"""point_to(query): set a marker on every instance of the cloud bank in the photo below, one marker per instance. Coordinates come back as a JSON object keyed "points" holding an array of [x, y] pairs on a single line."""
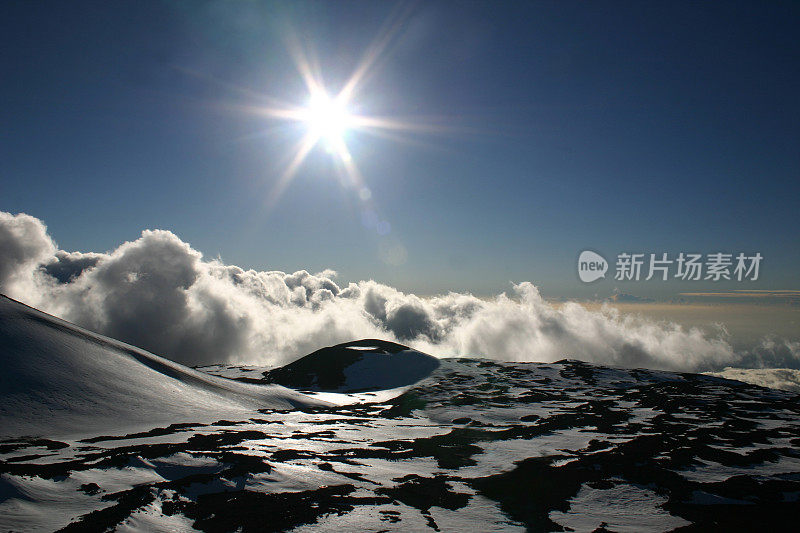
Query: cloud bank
{"points": [[774, 378], [160, 294]]}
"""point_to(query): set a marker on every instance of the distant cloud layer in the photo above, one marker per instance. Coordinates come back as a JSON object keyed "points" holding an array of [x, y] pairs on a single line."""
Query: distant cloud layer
{"points": [[160, 294], [774, 378]]}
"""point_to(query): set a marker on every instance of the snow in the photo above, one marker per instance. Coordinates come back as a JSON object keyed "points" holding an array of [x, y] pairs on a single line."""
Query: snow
{"points": [[65, 381], [130, 441], [623, 508]]}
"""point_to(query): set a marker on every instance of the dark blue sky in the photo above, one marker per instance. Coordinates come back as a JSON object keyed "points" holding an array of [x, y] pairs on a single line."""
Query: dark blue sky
{"points": [[643, 126]]}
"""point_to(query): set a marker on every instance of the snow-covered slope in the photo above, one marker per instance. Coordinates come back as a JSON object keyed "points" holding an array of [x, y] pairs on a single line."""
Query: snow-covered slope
{"points": [[478, 445], [60, 380]]}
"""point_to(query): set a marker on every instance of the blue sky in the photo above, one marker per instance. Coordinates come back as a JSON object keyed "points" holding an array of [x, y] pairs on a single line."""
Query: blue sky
{"points": [[640, 127]]}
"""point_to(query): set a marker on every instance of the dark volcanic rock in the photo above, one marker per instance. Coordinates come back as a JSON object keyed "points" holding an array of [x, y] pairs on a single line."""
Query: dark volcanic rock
{"points": [[357, 366]]}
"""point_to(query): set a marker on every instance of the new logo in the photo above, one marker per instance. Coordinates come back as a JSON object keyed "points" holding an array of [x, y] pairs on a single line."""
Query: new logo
{"points": [[591, 266]]}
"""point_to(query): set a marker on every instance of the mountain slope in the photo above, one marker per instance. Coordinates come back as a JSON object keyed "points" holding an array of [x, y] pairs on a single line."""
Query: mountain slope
{"points": [[479, 445], [60, 379]]}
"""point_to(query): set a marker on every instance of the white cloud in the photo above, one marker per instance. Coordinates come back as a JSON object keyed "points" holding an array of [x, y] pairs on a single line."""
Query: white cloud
{"points": [[24, 244], [160, 294], [774, 378]]}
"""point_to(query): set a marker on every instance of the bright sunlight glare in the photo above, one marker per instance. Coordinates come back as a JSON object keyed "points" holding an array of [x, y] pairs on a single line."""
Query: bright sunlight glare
{"points": [[327, 119], [326, 116]]}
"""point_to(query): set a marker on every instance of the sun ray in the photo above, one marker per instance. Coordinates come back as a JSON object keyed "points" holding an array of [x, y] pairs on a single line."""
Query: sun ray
{"points": [[327, 115], [304, 147], [366, 123], [303, 63], [387, 34]]}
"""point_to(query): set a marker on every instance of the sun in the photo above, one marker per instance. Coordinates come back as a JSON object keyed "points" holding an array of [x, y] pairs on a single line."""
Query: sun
{"points": [[328, 120], [329, 117]]}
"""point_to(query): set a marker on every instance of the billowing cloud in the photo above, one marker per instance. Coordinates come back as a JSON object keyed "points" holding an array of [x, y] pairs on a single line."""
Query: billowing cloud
{"points": [[774, 378], [67, 266], [24, 244], [158, 293]]}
